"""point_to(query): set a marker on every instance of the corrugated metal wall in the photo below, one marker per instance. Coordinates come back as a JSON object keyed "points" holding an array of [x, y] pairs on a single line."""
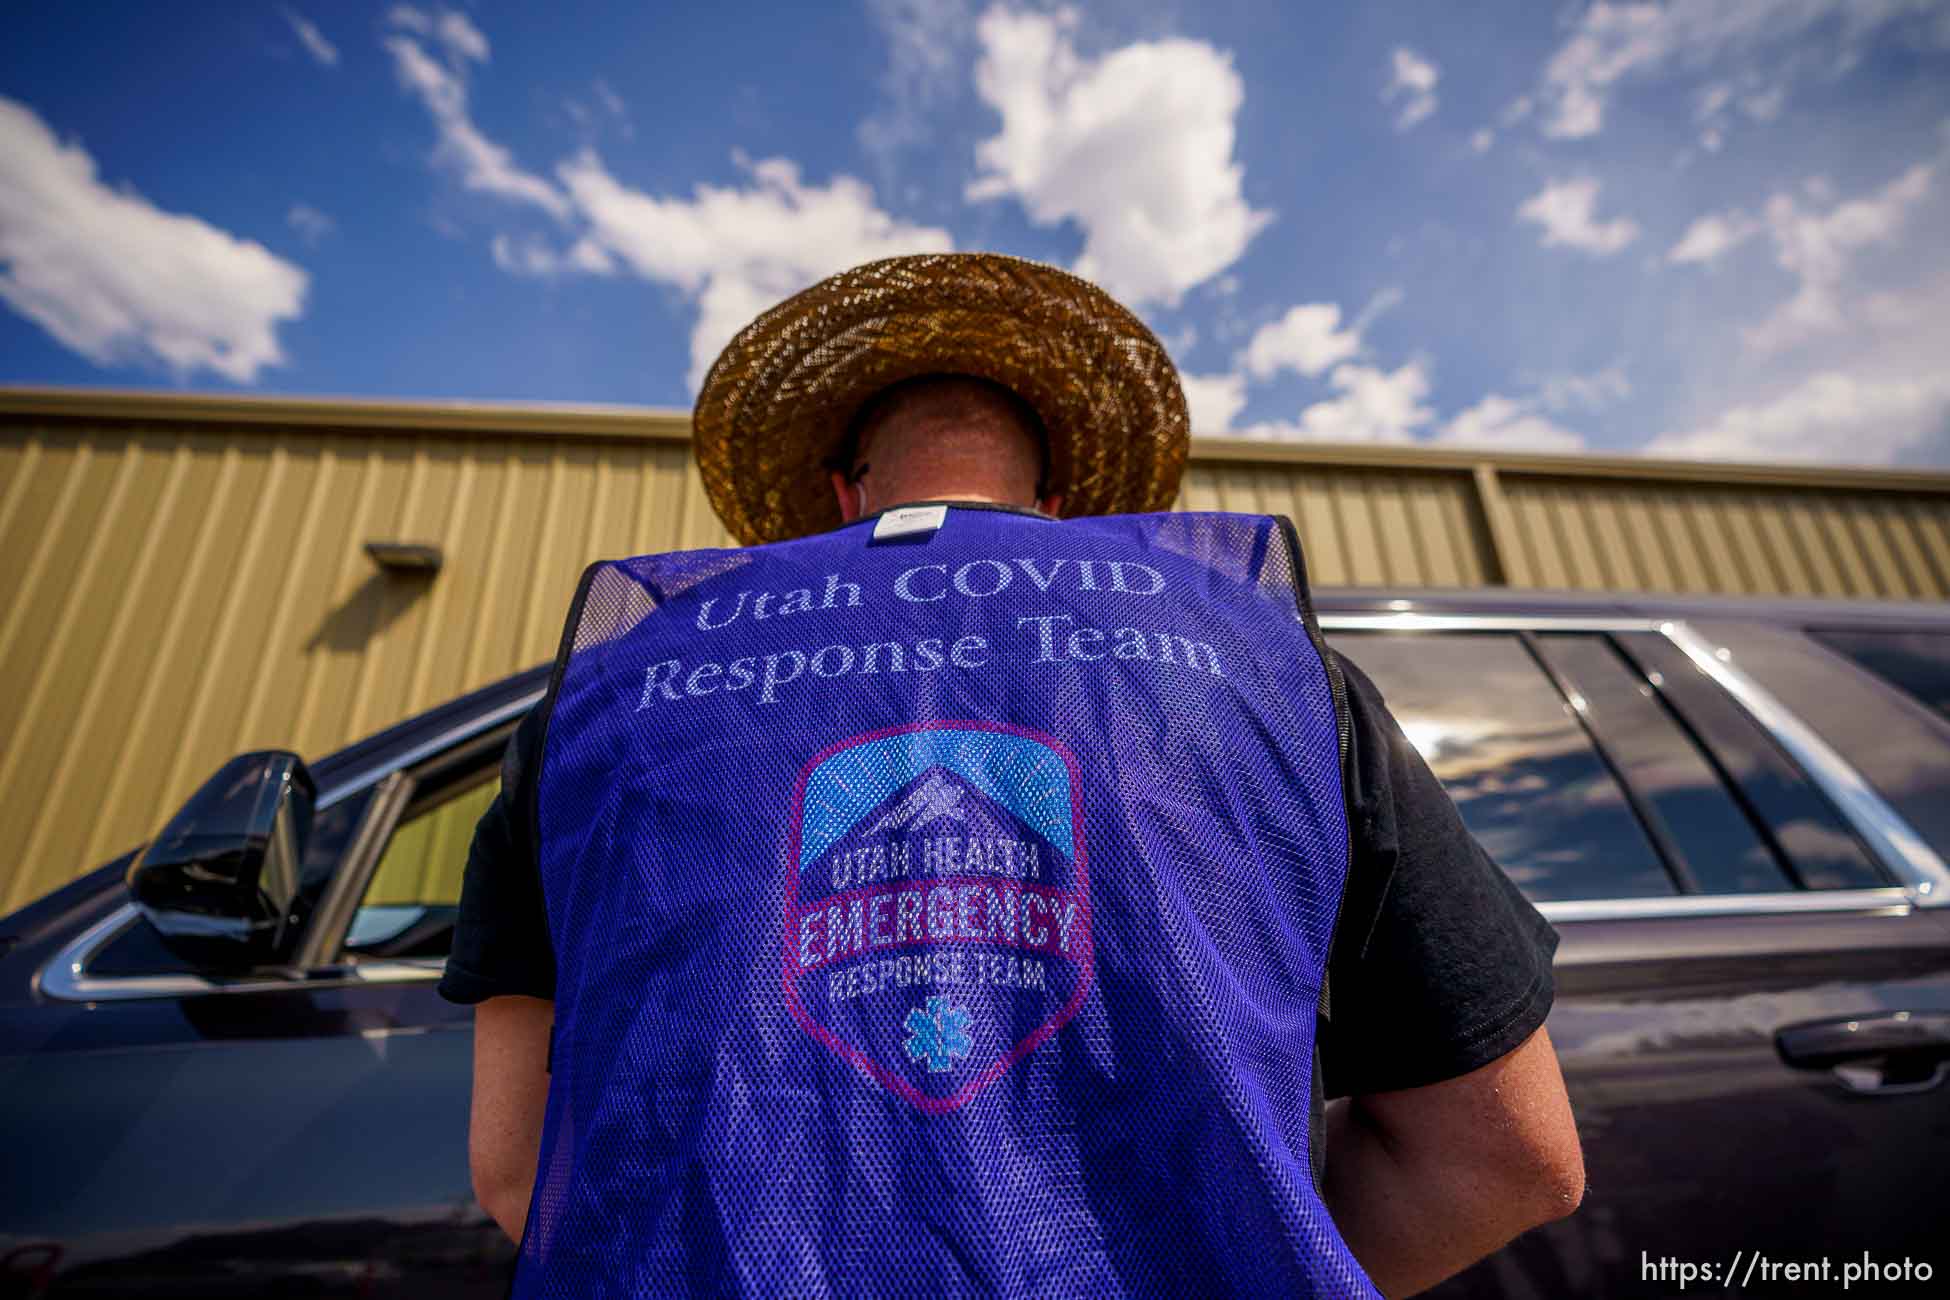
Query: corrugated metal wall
{"points": [[1380, 527], [183, 577], [1706, 537]]}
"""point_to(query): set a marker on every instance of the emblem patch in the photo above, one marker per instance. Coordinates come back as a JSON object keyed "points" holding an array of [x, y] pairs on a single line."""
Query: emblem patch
{"points": [[937, 904]]}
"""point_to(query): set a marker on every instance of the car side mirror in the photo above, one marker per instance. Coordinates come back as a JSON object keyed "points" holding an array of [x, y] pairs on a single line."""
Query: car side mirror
{"points": [[220, 883]]}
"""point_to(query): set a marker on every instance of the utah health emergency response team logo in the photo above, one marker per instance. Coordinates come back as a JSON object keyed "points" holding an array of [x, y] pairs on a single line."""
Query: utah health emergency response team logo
{"points": [[937, 904]]}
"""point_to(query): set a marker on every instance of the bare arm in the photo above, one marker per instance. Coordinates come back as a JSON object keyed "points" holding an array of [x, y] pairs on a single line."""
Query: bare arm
{"points": [[1426, 1181], [504, 1139]]}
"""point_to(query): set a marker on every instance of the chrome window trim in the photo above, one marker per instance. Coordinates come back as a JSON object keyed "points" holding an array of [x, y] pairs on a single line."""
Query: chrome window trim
{"points": [[65, 975], [325, 929], [1890, 899], [1925, 878], [369, 777], [1410, 621]]}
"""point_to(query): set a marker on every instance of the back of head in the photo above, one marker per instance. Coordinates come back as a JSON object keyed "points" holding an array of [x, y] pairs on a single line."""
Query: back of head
{"points": [[946, 437]]}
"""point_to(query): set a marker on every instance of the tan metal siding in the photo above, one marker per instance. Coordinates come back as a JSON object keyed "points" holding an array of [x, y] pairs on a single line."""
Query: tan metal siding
{"points": [[182, 578], [1621, 536], [1360, 527], [167, 599]]}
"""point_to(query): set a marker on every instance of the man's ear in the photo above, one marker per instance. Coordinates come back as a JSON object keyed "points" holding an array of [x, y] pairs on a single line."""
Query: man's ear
{"points": [[850, 497]]}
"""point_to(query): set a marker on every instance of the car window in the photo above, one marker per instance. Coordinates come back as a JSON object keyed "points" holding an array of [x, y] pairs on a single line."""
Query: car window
{"points": [[1914, 661], [1820, 848], [1687, 803], [1900, 747], [1514, 757], [414, 895]]}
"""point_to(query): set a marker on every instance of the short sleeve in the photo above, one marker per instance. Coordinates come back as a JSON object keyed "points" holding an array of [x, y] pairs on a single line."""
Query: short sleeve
{"points": [[501, 938], [1440, 965]]}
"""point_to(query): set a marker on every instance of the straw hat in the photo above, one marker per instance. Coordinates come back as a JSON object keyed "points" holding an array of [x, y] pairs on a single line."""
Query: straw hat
{"points": [[777, 402]]}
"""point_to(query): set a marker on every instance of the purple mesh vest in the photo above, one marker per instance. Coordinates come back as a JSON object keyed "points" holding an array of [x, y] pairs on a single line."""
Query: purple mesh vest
{"points": [[942, 914]]}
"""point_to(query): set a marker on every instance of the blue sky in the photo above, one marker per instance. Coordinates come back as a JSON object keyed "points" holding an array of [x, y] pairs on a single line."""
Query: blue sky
{"points": [[1712, 228]]}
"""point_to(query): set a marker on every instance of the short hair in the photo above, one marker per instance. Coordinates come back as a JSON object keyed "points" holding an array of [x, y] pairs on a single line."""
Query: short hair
{"points": [[891, 398]]}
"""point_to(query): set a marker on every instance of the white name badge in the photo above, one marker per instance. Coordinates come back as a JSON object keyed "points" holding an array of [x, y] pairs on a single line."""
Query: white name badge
{"points": [[909, 520]]}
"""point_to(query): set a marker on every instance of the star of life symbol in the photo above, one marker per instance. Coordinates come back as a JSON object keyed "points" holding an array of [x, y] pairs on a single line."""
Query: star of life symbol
{"points": [[939, 1035]]}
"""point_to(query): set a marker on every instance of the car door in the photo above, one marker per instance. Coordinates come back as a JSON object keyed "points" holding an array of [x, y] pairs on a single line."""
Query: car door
{"points": [[299, 1132], [1748, 1002]]}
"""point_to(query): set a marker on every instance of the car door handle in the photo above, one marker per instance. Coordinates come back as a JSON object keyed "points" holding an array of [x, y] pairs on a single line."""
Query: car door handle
{"points": [[1884, 1052]]}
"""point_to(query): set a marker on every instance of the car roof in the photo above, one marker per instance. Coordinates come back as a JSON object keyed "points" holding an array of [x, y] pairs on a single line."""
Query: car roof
{"points": [[1529, 602], [457, 716]]}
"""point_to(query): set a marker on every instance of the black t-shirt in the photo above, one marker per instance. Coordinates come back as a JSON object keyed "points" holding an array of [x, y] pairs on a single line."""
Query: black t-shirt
{"points": [[1439, 964]]}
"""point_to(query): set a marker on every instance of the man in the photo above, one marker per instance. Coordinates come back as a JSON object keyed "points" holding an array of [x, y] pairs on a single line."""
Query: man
{"points": [[942, 899]]}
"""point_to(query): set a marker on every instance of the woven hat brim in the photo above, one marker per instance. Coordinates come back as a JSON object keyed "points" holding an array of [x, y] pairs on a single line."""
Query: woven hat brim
{"points": [[775, 406]]}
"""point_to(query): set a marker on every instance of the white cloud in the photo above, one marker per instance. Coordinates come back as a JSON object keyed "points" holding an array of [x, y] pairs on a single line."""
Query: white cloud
{"points": [[1764, 105], [1412, 80], [1833, 416], [609, 110], [311, 224], [1815, 239], [732, 251], [320, 49], [1309, 339], [1712, 236], [1214, 400], [481, 163], [1869, 384], [1817, 247], [1712, 100], [1385, 300], [614, 113], [1481, 139], [460, 37], [1374, 406], [117, 279], [1567, 212], [926, 62], [531, 256], [1508, 424], [607, 96], [1590, 392], [1136, 147], [1716, 99], [1612, 43], [735, 252]]}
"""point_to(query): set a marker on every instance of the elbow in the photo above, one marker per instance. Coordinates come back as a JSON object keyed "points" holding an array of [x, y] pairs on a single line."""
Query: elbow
{"points": [[503, 1193], [1560, 1194], [1545, 1184], [1568, 1186]]}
